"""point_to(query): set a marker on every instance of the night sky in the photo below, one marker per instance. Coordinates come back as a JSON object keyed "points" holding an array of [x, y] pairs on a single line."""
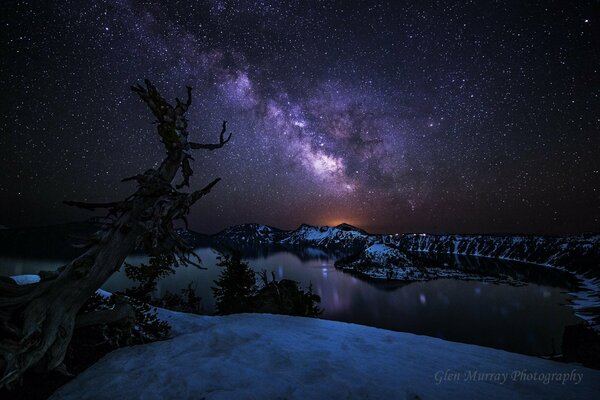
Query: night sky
{"points": [[423, 116]]}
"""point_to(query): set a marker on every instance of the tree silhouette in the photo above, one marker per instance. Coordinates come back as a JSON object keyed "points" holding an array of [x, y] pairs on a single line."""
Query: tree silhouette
{"points": [[37, 320], [236, 286]]}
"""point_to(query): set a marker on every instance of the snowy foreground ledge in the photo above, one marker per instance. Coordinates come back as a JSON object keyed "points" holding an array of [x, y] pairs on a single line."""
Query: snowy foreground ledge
{"points": [[261, 356]]}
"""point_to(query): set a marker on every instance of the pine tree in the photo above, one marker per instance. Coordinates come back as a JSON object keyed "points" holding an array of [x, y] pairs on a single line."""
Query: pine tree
{"points": [[236, 285]]}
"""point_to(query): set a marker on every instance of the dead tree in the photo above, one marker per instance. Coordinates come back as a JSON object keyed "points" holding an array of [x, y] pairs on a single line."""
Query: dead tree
{"points": [[37, 320]]}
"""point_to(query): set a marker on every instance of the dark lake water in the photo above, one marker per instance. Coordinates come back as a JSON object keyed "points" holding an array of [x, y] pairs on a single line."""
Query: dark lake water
{"points": [[527, 319]]}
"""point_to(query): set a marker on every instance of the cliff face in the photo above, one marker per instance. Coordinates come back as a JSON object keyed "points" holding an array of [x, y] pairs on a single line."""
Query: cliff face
{"points": [[576, 253]]}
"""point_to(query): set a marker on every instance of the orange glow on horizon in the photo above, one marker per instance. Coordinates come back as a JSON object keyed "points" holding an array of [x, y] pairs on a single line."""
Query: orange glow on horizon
{"points": [[338, 221], [369, 226]]}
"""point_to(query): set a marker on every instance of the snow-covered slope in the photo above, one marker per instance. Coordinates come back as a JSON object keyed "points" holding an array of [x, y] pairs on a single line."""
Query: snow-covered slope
{"points": [[379, 261], [259, 356], [383, 254]]}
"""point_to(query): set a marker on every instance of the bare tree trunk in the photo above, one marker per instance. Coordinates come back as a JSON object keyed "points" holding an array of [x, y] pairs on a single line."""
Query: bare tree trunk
{"points": [[37, 320]]}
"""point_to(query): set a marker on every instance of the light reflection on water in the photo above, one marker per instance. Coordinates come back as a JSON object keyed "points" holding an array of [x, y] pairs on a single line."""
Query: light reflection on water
{"points": [[528, 319]]}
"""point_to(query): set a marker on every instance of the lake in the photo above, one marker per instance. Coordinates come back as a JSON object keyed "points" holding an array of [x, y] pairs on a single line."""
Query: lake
{"points": [[527, 319]]}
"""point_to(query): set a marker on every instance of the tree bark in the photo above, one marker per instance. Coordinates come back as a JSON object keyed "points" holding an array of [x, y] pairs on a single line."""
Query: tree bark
{"points": [[37, 320]]}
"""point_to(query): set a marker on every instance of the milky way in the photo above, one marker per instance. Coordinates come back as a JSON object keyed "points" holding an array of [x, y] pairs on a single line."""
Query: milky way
{"points": [[393, 116]]}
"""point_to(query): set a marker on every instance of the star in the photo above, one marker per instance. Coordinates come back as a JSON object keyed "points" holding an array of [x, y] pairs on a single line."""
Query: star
{"points": [[425, 118]]}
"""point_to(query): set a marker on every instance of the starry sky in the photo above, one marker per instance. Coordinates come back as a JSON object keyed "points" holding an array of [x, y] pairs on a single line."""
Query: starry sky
{"points": [[397, 116]]}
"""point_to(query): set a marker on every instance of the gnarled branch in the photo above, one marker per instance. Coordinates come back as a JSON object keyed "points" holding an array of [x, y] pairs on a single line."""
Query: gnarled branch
{"points": [[92, 206], [210, 146], [195, 196]]}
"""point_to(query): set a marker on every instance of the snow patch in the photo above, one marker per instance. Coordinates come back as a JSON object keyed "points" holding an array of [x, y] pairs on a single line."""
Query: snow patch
{"points": [[25, 279]]}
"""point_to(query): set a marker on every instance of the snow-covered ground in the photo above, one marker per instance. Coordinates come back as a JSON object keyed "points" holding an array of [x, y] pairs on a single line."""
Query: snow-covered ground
{"points": [[262, 356]]}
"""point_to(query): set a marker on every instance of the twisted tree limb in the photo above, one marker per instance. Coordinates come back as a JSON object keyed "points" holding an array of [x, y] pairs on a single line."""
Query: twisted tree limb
{"points": [[222, 141], [92, 206], [37, 320]]}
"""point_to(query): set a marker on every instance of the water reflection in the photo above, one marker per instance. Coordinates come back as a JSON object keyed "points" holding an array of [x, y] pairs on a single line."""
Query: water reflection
{"points": [[528, 319]]}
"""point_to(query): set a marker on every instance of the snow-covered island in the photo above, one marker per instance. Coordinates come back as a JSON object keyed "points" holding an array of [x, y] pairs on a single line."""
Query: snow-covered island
{"points": [[381, 261]]}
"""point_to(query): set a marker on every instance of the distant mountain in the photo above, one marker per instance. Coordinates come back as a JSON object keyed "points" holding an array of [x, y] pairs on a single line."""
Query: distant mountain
{"points": [[342, 236], [373, 256], [577, 253]]}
